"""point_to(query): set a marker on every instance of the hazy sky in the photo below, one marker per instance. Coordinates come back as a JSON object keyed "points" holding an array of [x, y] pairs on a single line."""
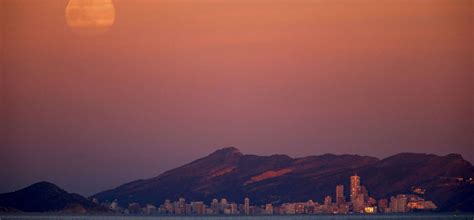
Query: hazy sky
{"points": [[174, 80]]}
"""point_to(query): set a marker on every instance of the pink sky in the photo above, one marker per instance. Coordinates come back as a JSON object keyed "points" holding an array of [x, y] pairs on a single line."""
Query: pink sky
{"points": [[172, 81]]}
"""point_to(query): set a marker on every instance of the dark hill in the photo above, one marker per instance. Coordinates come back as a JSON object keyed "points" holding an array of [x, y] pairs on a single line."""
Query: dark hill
{"points": [[44, 197]]}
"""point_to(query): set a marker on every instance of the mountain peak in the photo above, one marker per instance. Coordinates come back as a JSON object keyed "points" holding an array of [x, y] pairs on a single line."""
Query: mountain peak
{"points": [[227, 151], [43, 186], [454, 156], [403, 157]]}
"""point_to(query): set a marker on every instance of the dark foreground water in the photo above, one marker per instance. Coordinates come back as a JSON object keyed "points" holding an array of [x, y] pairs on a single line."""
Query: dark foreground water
{"points": [[274, 217]]}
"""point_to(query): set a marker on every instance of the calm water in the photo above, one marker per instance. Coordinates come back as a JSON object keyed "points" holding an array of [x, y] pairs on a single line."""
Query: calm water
{"points": [[301, 217]]}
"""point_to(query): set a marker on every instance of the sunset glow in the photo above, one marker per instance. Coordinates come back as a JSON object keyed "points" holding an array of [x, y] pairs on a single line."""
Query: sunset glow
{"points": [[160, 83]]}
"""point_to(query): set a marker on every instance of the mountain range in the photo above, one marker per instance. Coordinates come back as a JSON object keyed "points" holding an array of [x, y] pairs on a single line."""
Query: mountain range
{"points": [[227, 173]]}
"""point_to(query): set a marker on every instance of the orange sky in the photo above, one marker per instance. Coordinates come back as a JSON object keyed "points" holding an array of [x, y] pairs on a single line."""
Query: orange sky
{"points": [[173, 80]]}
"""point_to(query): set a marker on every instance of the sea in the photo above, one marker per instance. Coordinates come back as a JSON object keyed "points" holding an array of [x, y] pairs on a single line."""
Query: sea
{"points": [[260, 217]]}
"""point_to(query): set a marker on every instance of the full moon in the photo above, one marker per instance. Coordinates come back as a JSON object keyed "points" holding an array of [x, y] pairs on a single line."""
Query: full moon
{"points": [[90, 16]]}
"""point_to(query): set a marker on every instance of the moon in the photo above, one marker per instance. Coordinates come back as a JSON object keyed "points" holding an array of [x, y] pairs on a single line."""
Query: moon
{"points": [[90, 16]]}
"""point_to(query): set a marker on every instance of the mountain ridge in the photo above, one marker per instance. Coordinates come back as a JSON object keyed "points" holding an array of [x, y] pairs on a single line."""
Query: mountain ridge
{"points": [[280, 178]]}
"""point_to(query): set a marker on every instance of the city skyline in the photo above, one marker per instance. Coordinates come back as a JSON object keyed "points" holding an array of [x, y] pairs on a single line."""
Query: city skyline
{"points": [[360, 203]]}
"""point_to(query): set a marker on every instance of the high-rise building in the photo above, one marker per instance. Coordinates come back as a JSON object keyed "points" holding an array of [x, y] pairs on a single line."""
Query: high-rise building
{"points": [[198, 208], [233, 208], [223, 201], [402, 203], [393, 204], [215, 206], [327, 200], [299, 208], [289, 208], [188, 209], [247, 206], [167, 207], [269, 209], [355, 187], [383, 205], [340, 195], [399, 203], [180, 206], [150, 209], [223, 205]]}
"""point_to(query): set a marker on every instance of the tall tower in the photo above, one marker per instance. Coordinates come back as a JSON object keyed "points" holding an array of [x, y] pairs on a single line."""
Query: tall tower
{"points": [[340, 195], [247, 206], [355, 187]]}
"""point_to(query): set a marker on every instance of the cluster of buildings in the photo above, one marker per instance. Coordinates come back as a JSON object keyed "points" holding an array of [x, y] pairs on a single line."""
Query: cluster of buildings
{"points": [[359, 202]]}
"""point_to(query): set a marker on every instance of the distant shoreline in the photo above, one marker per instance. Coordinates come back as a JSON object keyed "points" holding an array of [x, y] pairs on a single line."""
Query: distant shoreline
{"points": [[99, 216]]}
